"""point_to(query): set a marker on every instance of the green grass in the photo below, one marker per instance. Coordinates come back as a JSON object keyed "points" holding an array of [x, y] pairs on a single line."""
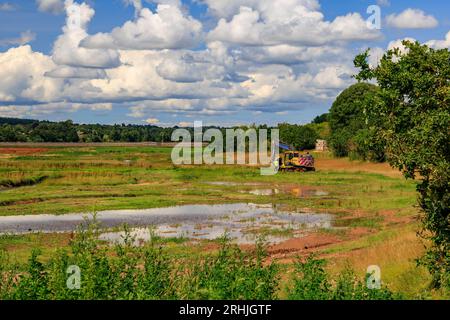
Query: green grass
{"points": [[8, 183], [91, 179], [127, 272], [366, 222], [80, 179]]}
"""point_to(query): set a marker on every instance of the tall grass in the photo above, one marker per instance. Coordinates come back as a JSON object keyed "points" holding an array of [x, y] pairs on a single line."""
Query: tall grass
{"points": [[312, 282], [125, 271]]}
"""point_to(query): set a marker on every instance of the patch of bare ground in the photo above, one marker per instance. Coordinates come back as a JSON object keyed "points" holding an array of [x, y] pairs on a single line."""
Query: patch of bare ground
{"points": [[392, 217], [356, 166], [289, 251], [21, 151]]}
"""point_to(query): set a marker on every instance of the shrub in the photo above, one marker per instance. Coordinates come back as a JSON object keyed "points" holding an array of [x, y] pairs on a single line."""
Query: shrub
{"points": [[232, 274], [312, 283], [129, 272]]}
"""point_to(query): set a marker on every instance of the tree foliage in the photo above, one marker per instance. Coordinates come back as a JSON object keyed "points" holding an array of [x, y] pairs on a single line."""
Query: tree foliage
{"points": [[321, 119], [300, 137], [351, 124], [17, 130], [414, 119], [150, 272]]}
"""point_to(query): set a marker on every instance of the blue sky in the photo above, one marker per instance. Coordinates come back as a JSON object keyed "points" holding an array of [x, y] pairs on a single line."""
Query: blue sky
{"points": [[172, 62]]}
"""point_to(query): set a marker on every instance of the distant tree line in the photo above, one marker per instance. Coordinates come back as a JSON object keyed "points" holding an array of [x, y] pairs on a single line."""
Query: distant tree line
{"points": [[303, 137], [20, 130]]}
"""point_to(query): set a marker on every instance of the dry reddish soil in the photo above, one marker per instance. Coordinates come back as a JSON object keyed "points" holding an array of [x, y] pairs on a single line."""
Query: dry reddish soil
{"points": [[356, 166], [288, 251], [390, 217], [21, 151]]}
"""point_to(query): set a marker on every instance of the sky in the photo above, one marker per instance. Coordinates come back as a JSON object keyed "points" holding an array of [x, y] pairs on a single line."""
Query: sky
{"points": [[173, 62]]}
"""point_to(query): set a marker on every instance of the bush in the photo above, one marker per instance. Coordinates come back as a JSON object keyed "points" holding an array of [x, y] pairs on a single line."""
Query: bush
{"points": [[339, 143], [312, 283], [128, 272], [232, 274], [368, 145], [352, 124]]}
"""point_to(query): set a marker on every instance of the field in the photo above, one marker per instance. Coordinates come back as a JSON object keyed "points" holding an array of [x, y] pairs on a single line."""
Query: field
{"points": [[374, 217]]}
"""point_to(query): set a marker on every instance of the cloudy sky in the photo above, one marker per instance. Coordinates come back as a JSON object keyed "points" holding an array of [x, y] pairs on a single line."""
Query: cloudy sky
{"points": [[167, 62]]}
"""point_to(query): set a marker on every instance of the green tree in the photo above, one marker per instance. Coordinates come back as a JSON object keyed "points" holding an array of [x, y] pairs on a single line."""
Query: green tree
{"points": [[300, 137], [11, 133], [413, 107], [322, 129], [321, 119], [68, 131], [349, 117]]}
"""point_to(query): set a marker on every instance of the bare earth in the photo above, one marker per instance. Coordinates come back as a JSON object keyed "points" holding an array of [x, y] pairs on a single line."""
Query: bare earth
{"points": [[356, 166]]}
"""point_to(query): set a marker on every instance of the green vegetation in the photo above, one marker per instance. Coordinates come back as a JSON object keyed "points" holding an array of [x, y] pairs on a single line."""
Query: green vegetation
{"points": [[14, 121], [352, 132], [22, 182], [129, 272], [300, 137], [405, 120], [413, 109], [85, 179], [321, 119], [311, 282], [322, 129], [16, 130], [88, 179]]}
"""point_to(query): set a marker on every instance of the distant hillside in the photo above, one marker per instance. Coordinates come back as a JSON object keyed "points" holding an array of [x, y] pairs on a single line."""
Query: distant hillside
{"points": [[14, 121]]}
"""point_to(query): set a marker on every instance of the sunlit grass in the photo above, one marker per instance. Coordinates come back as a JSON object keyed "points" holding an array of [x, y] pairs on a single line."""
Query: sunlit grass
{"points": [[92, 179]]}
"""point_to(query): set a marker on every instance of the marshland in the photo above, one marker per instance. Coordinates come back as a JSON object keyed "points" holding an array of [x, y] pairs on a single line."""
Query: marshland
{"points": [[347, 214]]}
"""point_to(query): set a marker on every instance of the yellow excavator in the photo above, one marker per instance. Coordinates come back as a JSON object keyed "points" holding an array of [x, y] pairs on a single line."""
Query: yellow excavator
{"points": [[292, 161]]}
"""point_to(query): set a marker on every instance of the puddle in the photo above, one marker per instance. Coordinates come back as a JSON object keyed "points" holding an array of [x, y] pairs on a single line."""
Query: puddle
{"points": [[243, 222], [300, 192], [244, 225], [222, 183], [262, 192], [296, 192], [231, 184], [307, 192]]}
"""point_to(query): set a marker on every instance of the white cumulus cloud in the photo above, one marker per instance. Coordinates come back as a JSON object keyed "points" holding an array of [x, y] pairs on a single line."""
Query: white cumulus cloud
{"points": [[440, 44], [412, 19], [51, 6], [294, 22], [66, 50], [167, 28], [24, 38], [67, 72], [252, 56], [152, 121], [22, 76]]}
